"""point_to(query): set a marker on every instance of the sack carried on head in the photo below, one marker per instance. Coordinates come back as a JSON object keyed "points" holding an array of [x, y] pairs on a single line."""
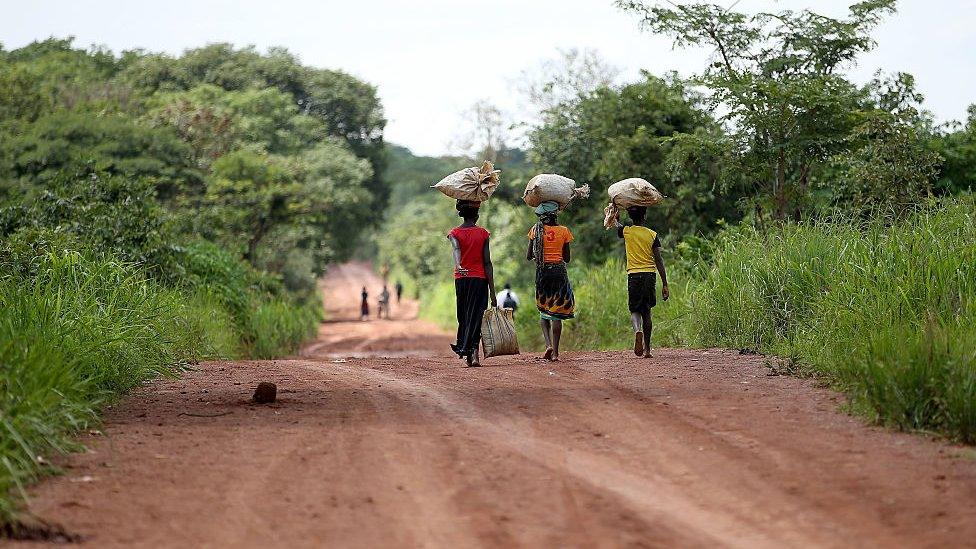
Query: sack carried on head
{"points": [[472, 184], [549, 187], [498, 332], [629, 193]]}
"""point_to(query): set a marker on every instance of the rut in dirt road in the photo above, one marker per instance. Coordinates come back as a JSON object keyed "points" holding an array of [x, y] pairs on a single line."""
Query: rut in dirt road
{"points": [[380, 438]]}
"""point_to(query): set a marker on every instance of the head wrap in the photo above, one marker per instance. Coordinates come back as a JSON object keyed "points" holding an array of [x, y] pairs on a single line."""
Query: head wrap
{"points": [[547, 207]]}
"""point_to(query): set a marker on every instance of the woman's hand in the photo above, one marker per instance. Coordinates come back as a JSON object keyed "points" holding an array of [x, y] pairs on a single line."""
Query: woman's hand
{"points": [[494, 302], [665, 292]]}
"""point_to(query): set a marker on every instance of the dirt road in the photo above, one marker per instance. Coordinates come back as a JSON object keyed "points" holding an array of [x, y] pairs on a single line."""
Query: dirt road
{"points": [[381, 439]]}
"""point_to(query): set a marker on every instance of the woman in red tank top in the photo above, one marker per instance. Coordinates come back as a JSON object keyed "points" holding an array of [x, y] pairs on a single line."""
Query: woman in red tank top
{"points": [[474, 281]]}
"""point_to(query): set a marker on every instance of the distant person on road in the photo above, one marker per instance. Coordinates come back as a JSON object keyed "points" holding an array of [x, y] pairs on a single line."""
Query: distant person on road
{"points": [[549, 248], [398, 287], [384, 306], [364, 305], [644, 261], [474, 280], [507, 298]]}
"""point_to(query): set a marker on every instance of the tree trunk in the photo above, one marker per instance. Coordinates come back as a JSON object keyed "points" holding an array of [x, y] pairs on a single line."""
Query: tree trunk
{"points": [[252, 243]]}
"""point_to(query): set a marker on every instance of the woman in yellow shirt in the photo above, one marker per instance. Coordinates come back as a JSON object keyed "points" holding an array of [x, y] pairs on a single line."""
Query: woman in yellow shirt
{"points": [[643, 262], [549, 248]]}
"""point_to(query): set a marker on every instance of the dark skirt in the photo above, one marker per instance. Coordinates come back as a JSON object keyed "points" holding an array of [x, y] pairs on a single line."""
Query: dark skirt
{"points": [[553, 293], [472, 302]]}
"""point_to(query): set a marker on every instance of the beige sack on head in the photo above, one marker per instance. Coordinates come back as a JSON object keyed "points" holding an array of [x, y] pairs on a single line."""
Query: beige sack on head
{"points": [[627, 193], [547, 187], [498, 332], [475, 184]]}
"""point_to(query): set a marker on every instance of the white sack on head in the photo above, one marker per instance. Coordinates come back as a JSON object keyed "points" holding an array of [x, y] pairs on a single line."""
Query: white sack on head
{"points": [[627, 193], [475, 184], [550, 187]]}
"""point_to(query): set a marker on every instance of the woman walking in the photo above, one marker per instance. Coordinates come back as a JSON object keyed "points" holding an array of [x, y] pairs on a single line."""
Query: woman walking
{"points": [[364, 305], [474, 280], [549, 247]]}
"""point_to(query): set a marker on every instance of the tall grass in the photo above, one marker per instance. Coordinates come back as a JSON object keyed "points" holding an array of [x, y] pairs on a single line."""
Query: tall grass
{"points": [[77, 330], [278, 326], [884, 310], [602, 318]]}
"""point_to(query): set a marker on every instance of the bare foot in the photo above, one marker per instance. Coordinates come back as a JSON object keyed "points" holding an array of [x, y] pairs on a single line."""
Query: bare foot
{"points": [[639, 343], [550, 352]]}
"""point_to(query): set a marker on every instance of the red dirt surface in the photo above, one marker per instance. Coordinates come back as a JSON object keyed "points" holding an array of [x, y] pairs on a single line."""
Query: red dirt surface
{"points": [[380, 438]]}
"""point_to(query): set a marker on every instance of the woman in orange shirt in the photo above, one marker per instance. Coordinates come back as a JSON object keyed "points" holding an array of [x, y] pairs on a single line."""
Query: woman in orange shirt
{"points": [[549, 247]]}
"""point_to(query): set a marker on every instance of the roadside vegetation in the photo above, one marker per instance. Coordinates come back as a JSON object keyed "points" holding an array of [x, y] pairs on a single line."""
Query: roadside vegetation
{"points": [[156, 211], [822, 221]]}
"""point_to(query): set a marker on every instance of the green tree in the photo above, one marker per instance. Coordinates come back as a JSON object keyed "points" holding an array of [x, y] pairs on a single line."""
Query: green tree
{"points": [[887, 167], [106, 212], [776, 75], [958, 147], [615, 133], [112, 144], [347, 107]]}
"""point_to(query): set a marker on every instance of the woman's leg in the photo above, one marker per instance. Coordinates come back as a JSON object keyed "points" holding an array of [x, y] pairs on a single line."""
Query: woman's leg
{"points": [[546, 325], [557, 332]]}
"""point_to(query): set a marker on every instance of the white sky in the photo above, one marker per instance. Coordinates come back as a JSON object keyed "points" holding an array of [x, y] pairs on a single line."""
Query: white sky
{"points": [[431, 59]]}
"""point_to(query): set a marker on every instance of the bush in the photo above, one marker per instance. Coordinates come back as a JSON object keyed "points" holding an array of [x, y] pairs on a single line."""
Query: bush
{"points": [[885, 311], [79, 332], [79, 328], [278, 327]]}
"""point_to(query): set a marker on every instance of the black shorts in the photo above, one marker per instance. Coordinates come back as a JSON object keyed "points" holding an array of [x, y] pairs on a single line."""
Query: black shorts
{"points": [[641, 292]]}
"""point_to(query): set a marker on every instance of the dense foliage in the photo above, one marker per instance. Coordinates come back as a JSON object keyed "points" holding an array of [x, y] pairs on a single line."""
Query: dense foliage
{"points": [[802, 207], [159, 210]]}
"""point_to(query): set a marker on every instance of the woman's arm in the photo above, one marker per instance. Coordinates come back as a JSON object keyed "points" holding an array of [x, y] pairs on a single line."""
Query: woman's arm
{"points": [[529, 255], [456, 252], [566, 254], [489, 274]]}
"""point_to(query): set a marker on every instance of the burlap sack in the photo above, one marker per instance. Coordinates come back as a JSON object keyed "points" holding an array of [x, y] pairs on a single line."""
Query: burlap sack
{"points": [[498, 333], [627, 193], [634, 192], [476, 184], [547, 187]]}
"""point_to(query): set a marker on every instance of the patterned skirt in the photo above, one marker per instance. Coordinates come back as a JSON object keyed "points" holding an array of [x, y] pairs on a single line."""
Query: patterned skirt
{"points": [[553, 293]]}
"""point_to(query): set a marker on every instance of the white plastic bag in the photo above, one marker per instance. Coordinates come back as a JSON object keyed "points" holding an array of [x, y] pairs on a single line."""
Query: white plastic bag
{"points": [[475, 184], [547, 187], [498, 335]]}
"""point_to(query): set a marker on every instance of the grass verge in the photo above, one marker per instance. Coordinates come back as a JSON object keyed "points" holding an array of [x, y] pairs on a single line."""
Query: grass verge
{"points": [[77, 331]]}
